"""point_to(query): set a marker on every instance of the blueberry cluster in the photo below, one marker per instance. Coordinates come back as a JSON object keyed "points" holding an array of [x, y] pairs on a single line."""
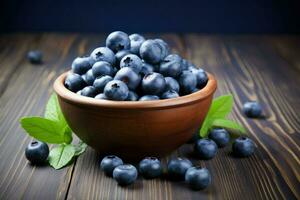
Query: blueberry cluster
{"points": [[131, 68]]}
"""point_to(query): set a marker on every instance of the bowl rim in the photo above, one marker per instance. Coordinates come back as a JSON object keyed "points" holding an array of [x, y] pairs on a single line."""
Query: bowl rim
{"points": [[74, 98]]}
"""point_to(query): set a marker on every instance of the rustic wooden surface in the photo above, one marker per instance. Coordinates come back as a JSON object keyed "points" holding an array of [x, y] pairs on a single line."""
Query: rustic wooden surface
{"points": [[262, 68]]}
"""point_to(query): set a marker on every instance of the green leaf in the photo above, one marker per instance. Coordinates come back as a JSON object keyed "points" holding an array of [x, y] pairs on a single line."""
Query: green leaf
{"points": [[80, 148], [43, 129], [60, 156], [228, 124], [205, 127]]}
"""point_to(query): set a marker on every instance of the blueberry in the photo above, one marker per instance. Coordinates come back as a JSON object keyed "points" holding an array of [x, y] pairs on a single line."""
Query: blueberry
{"points": [[81, 65], [74, 82], [206, 149], [152, 52], [185, 64], [252, 109], [132, 96], [177, 168], [198, 178], [35, 56], [220, 136], [136, 41], [102, 68], [171, 65], [187, 82], [169, 94], [243, 147], [146, 68], [116, 90], [103, 54], [118, 41], [195, 90], [132, 61], [101, 82], [89, 91], [128, 76], [164, 47], [120, 54], [201, 76], [149, 98], [89, 77], [172, 84], [101, 96], [78, 92], [109, 163], [150, 167], [125, 174], [153, 83], [37, 152]]}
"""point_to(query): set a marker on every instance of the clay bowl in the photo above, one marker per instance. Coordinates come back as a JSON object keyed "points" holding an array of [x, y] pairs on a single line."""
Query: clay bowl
{"points": [[133, 130]]}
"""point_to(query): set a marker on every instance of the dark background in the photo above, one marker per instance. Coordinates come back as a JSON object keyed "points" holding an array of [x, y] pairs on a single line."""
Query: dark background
{"points": [[214, 16]]}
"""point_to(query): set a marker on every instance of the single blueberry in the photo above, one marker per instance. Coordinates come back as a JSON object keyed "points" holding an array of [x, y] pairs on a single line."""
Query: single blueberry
{"points": [[101, 96], [206, 149], [81, 65], [102, 54], [220, 136], [165, 49], [128, 76], [120, 54], [118, 41], [102, 68], [37, 152], [169, 94], [152, 52], [136, 41], [172, 84], [132, 61], [187, 82], [101, 82], [146, 68], [177, 168], [74, 82], [201, 76], [116, 90], [243, 147], [171, 65], [35, 56], [198, 178], [149, 98], [89, 91], [150, 167], [153, 83], [252, 109], [88, 77], [132, 96], [109, 163], [125, 174]]}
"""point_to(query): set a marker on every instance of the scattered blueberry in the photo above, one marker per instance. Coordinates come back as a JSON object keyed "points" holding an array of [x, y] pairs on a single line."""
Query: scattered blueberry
{"points": [[116, 90], [102, 68], [170, 94], [171, 65], [89, 91], [118, 41], [109, 163], [172, 84], [150, 167], [128, 76], [149, 98], [153, 83], [37, 152], [198, 178], [35, 56], [220, 136], [187, 81], [125, 174], [243, 147], [177, 168], [103, 54], [136, 41], [101, 82], [101, 96], [81, 65], [132, 61], [206, 149], [252, 109], [74, 82], [132, 96]]}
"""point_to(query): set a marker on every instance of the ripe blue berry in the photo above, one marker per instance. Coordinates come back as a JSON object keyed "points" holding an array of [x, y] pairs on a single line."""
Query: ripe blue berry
{"points": [[201, 76], [177, 168], [109, 163], [101, 96], [149, 98], [187, 81], [169, 94], [132, 61], [136, 41], [81, 65], [152, 52], [146, 68], [252, 109], [220, 136], [198, 178], [171, 65], [116, 90], [103, 54], [172, 84], [74, 82], [165, 49], [35, 56], [102, 68], [125, 174], [37, 152], [118, 41], [120, 54], [101, 82], [206, 149], [132, 96], [89, 91], [153, 83], [150, 167], [243, 147], [88, 77], [128, 76]]}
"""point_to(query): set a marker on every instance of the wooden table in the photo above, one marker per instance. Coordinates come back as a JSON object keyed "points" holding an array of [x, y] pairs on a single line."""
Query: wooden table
{"points": [[262, 68]]}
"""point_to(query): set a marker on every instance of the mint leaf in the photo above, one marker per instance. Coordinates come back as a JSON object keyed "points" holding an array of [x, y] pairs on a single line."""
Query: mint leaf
{"points": [[60, 156], [53, 110], [220, 107], [80, 148], [43, 129], [228, 124]]}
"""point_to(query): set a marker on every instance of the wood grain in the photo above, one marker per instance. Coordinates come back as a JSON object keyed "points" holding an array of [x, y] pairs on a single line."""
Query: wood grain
{"points": [[262, 68]]}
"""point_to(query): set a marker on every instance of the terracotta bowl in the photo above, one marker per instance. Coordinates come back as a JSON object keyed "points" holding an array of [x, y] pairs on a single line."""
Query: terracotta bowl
{"points": [[134, 130]]}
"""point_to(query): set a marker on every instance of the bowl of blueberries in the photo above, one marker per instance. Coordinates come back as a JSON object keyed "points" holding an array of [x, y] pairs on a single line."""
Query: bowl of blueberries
{"points": [[133, 97]]}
